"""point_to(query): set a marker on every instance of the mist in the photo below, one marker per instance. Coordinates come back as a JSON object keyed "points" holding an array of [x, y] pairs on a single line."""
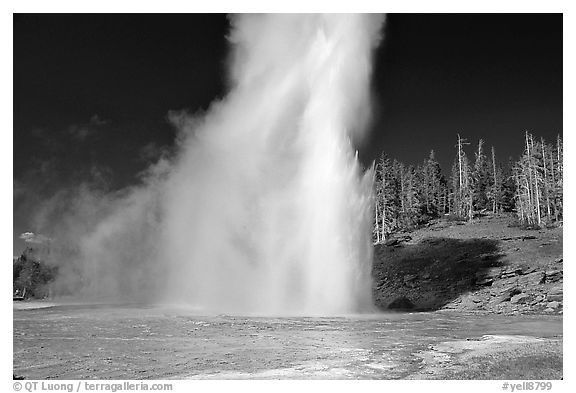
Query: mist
{"points": [[263, 208]]}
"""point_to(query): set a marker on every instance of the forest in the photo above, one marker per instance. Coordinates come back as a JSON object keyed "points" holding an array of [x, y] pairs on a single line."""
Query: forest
{"points": [[408, 196]]}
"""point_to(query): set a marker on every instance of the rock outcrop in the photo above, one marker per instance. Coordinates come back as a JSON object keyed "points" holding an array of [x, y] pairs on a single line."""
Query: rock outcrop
{"points": [[481, 267]]}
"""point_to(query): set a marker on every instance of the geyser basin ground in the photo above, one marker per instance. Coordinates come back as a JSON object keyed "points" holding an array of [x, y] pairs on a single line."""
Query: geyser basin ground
{"points": [[142, 342]]}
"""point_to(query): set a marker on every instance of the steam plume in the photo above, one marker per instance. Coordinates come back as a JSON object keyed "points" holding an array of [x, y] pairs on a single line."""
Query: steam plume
{"points": [[264, 209]]}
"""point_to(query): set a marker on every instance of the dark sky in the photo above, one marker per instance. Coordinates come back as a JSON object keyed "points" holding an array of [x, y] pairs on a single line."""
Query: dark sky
{"points": [[92, 92], [485, 76]]}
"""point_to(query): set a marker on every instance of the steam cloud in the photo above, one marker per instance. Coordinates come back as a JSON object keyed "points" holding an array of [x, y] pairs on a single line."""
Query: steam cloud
{"points": [[264, 208]]}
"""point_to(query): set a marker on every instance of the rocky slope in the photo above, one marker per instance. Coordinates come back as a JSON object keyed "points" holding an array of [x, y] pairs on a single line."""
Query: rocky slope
{"points": [[487, 265]]}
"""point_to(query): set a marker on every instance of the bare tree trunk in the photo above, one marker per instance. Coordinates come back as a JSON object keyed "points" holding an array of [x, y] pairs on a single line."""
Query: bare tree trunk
{"points": [[554, 204], [529, 170], [463, 178], [402, 192], [377, 227], [560, 173], [546, 185], [560, 155], [536, 188], [470, 208], [519, 204], [460, 159], [383, 226], [494, 173], [532, 186], [460, 175]]}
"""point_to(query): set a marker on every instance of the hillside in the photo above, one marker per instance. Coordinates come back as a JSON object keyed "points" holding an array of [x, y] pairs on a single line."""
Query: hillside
{"points": [[487, 265]]}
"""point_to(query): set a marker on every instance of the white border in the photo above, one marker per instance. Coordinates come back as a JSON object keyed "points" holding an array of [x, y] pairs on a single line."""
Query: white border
{"points": [[167, 6]]}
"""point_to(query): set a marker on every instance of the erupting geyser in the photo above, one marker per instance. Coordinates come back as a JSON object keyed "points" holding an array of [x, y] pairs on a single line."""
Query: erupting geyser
{"points": [[264, 209]]}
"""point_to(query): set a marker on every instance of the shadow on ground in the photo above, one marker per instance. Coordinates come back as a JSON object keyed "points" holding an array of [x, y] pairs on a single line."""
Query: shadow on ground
{"points": [[427, 275]]}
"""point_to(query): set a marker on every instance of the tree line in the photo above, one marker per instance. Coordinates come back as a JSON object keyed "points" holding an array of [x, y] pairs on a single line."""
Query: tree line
{"points": [[407, 196], [31, 276]]}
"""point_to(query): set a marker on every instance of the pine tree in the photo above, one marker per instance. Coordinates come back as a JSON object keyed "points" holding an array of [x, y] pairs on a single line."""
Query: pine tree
{"points": [[495, 190], [433, 187], [507, 201], [411, 195], [407, 196], [480, 179]]}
